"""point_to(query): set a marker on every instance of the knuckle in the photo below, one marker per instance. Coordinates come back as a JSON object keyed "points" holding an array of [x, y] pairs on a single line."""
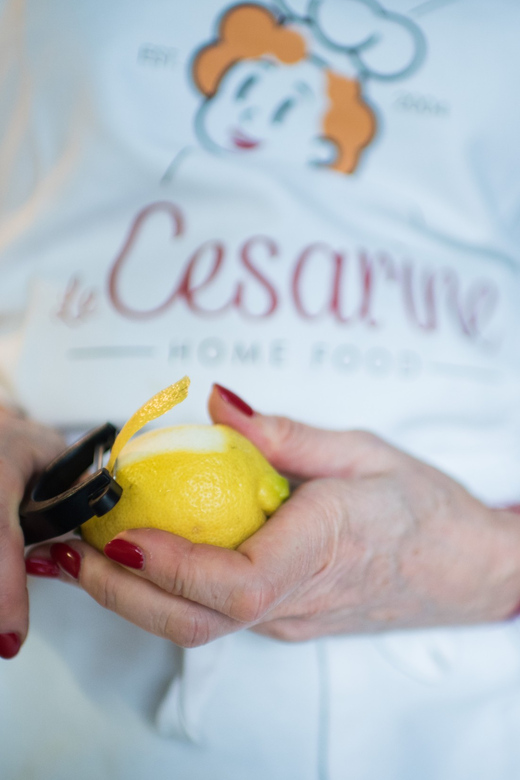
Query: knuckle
{"points": [[165, 625], [290, 631], [285, 436], [105, 592], [251, 604], [193, 631], [366, 439], [283, 634], [371, 451], [180, 578]]}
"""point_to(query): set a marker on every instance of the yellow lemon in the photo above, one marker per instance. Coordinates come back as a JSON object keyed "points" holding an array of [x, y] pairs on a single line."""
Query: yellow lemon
{"points": [[204, 482]]}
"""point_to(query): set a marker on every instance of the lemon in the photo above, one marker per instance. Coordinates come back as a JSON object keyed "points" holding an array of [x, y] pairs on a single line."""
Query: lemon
{"points": [[207, 483]]}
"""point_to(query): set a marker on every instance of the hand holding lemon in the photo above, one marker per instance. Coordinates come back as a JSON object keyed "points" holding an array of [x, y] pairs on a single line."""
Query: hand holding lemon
{"points": [[206, 483], [372, 540]]}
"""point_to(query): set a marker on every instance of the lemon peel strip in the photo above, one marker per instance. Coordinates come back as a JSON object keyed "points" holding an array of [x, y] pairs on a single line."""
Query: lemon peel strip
{"points": [[159, 404]]}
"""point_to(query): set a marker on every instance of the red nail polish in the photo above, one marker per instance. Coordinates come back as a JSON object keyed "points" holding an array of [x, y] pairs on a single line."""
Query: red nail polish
{"points": [[125, 553], [67, 559], [41, 567], [9, 645], [234, 400]]}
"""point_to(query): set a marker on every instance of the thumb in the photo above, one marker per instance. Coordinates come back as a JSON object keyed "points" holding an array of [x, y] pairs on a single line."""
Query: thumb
{"points": [[299, 450]]}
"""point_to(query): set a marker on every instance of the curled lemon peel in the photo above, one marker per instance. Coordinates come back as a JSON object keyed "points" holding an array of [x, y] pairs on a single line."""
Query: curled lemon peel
{"points": [[156, 406]]}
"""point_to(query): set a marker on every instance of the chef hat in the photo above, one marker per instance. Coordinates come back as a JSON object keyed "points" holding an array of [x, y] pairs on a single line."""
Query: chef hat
{"points": [[381, 44]]}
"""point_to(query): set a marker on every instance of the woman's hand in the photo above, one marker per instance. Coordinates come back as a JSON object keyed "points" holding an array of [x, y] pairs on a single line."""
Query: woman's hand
{"points": [[371, 540], [25, 447]]}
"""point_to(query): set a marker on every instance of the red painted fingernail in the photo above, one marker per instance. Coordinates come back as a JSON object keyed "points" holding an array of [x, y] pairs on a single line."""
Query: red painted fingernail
{"points": [[9, 645], [126, 553], [67, 559], [41, 567], [234, 400]]}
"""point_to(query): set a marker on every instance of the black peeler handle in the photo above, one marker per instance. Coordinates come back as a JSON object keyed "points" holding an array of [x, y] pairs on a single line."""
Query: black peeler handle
{"points": [[56, 503]]}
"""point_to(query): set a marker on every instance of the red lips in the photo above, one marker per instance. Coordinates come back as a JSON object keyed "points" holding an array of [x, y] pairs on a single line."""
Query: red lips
{"points": [[243, 141]]}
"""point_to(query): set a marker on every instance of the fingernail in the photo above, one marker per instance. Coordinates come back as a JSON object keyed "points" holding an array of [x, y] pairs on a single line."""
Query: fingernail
{"points": [[41, 567], [123, 552], [9, 645], [234, 400], [67, 559]]}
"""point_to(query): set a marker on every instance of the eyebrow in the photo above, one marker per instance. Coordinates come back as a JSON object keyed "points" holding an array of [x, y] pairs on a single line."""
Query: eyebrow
{"points": [[303, 88], [245, 87]]}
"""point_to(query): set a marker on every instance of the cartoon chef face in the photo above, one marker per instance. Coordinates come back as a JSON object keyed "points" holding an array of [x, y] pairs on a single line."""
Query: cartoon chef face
{"points": [[265, 97], [269, 109]]}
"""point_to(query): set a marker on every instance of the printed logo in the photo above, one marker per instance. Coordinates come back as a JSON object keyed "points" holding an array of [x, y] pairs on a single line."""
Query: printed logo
{"points": [[292, 84]]}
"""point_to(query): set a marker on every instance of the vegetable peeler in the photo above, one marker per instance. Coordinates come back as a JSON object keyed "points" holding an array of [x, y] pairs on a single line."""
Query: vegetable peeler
{"points": [[63, 496]]}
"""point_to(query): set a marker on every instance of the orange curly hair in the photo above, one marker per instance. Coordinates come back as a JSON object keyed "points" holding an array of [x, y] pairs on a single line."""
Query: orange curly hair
{"points": [[251, 32]]}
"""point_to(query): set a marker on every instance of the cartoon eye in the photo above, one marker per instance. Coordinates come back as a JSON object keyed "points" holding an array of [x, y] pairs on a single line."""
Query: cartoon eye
{"points": [[282, 110], [245, 87]]}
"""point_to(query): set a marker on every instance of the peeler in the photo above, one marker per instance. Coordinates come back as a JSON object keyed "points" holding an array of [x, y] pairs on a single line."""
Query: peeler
{"points": [[65, 495]]}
